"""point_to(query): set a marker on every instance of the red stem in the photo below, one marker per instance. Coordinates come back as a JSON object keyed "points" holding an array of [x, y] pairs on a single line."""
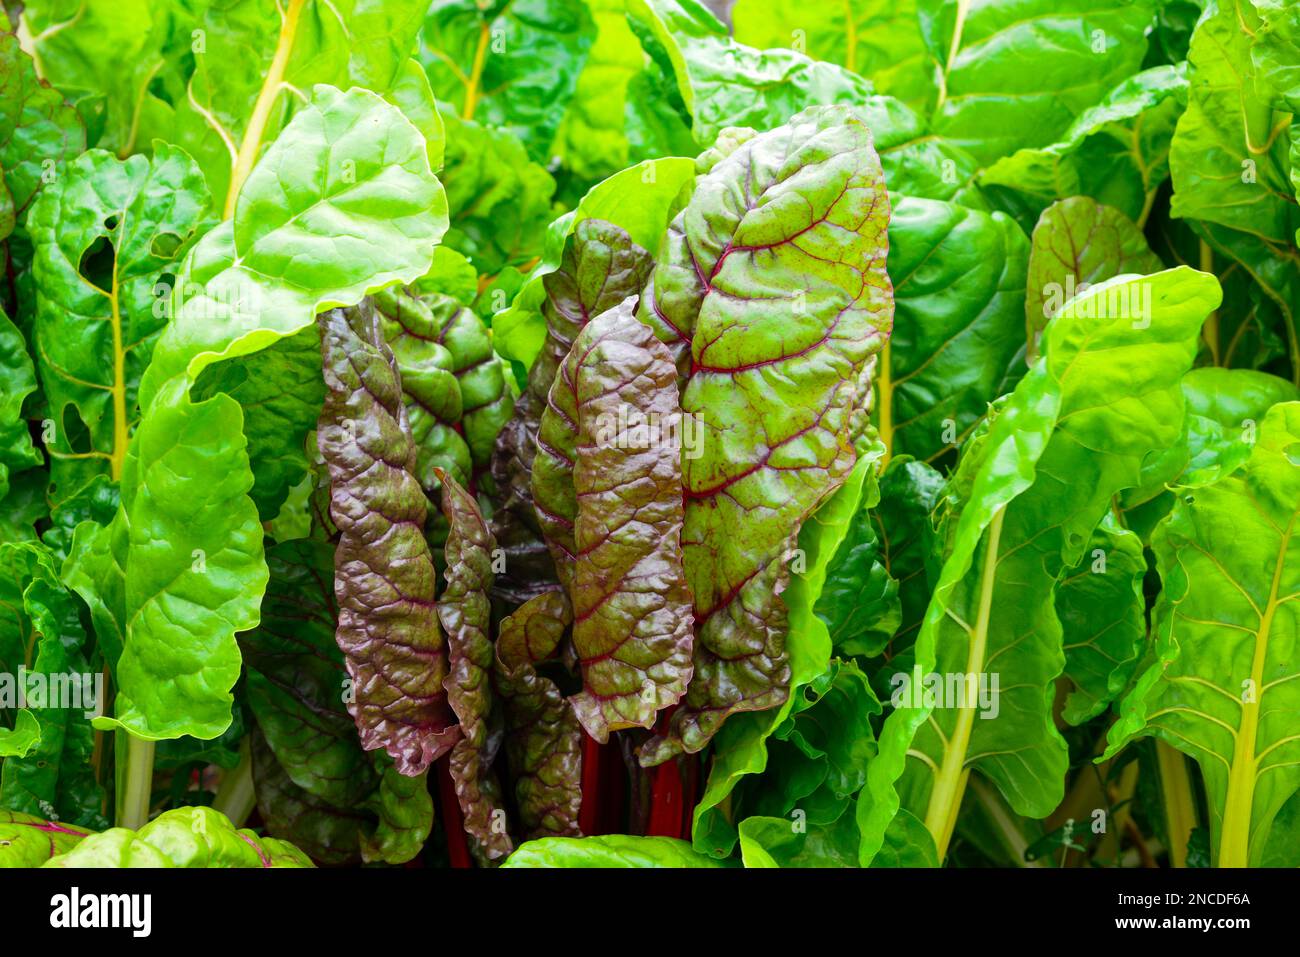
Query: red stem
{"points": [[666, 792], [589, 815], [453, 825]]}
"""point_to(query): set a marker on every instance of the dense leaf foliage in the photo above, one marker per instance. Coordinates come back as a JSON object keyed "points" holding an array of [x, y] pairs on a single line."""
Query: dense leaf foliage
{"points": [[598, 433]]}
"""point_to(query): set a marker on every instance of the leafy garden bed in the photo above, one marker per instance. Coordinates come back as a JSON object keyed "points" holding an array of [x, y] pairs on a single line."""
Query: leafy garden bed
{"points": [[589, 433]]}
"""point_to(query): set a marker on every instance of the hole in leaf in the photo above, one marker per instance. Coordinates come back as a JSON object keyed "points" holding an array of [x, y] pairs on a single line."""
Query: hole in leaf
{"points": [[111, 223], [74, 430], [164, 245], [97, 264], [158, 90]]}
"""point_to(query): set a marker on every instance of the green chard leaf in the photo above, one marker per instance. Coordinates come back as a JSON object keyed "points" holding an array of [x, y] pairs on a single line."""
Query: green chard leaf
{"points": [[509, 64], [607, 483], [1015, 76], [1116, 152], [1230, 161], [543, 737], [106, 234], [18, 376], [47, 766], [609, 850], [876, 38], [248, 284], [1026, 496], [183, 837], [1078, 243], [723, 83], [39, 131], [959, 284], [500, 199], [384, 574], [1102, 610], [771, 292], [1221, 686]]}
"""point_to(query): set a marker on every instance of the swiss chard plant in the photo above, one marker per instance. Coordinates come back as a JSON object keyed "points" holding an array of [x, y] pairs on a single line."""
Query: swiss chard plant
{"points": [[593, 433]]}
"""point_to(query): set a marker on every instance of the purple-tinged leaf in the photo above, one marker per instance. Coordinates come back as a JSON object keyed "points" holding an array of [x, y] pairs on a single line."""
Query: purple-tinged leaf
{"points": [[614, 404], [601, 266], [384, 576], [466, 615], [543, 738], [772, 293]]}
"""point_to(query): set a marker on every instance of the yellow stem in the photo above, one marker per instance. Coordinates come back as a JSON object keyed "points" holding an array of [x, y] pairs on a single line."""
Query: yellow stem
{"points": [[950, 781], [963, 9], [476, 73], [851, 32], [252, 142], [1176, 791], [885, 396], [118, 457], [1234, 837]]}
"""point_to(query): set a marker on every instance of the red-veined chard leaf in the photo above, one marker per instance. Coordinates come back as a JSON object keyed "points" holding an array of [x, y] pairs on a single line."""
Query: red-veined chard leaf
{"points": [[466, 615], [608, 488], [384, 574], [543, 737], [771, 291]]}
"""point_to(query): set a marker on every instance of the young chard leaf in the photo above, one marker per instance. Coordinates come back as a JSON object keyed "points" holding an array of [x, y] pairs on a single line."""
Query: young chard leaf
{"points": [[466, 615], [543, 737]]}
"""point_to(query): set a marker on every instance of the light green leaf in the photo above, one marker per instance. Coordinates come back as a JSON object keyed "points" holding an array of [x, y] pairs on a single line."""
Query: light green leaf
{"points": [[1222, 686], [878, 39], [609, 850], [1026, 496], [640, 199], [723, 83]]}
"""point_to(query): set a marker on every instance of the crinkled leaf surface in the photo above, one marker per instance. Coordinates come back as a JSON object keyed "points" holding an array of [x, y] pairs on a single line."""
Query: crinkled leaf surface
{"points": [[614, 409], [18, 376], [384, 575], [772, 293], [543, 737], [183, 837], [466, 615]]}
